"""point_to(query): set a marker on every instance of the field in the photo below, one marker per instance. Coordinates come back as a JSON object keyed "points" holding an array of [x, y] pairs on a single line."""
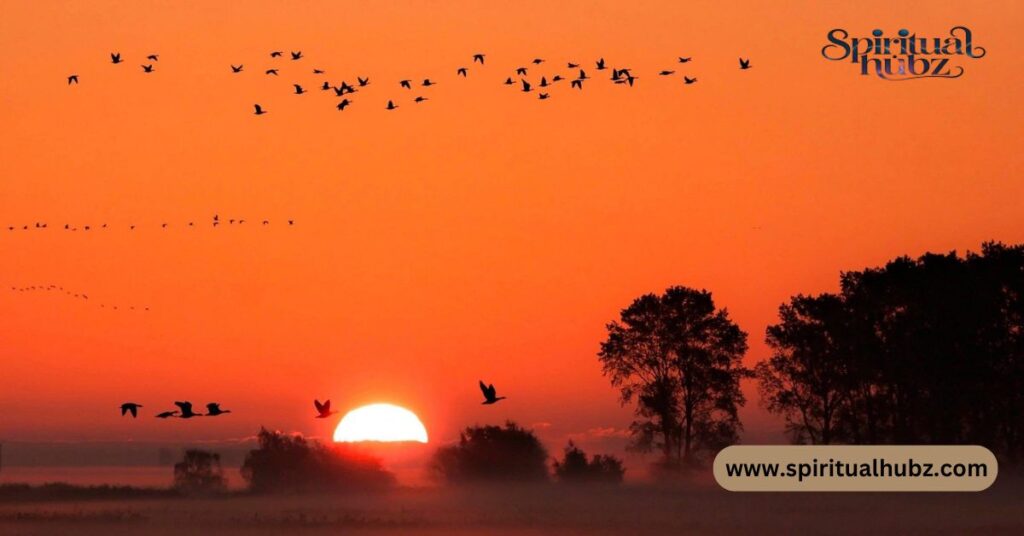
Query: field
{"points": [[634, 509]]}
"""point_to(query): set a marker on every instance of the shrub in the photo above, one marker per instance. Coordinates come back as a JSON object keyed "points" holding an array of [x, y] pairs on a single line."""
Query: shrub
{"points": [[574, 467], [199, 472], [493, 453]]}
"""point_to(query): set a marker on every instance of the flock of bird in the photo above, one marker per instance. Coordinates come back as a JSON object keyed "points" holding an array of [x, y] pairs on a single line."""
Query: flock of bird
{"points": [[346, 92], [323, 409], [56, 289], [215, 222]]}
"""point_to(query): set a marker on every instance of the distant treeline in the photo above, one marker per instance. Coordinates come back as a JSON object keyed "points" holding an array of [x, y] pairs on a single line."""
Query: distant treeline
{"points": [[920, 351]]}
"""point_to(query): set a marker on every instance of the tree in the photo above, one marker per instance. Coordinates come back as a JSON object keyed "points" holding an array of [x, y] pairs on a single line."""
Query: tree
{"points": [[574, 467], [199, 472], [493, 453], [290, 463], [680, 359]]}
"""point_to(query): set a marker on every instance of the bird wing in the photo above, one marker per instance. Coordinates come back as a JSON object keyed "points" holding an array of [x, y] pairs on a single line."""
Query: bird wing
{"points": [[320, 407], [124, 409], [213, 407], [186, 407], [134, 410], [488, 390]]}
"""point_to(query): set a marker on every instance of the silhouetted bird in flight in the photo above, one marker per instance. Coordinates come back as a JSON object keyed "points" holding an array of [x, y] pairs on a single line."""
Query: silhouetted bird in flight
{"points": [[213, 409], [147, 68], [462, 71], [428, 82], [323, 410], [297, 55], [186, 410], [130, 407], [572, 65], [343, 104], [236, 69], [521, 71], [115, 57], [689, 80], [317, 71], [419, 99], [583, 75], [275, 54], [543, 96], [392, 105], [298, 89], [363, 82], [272, 71], [73, 79], [489, 393], [166, 414], [537, 61], [259, 111], [744, 63], [600, 64], [526, 86], [153, 57], [509, 81], [479, 57], [543, 81], [578, 84], [407, 84], [556, 78], [291, 222], [326, 86], [684, 60], [666, 73]]}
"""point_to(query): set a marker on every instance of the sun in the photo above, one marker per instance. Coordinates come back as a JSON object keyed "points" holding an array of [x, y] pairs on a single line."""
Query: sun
{"points": [[380, 422]]}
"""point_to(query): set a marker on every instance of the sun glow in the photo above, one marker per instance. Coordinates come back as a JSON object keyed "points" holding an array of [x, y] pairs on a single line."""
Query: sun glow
{"points": [[380, 422]]}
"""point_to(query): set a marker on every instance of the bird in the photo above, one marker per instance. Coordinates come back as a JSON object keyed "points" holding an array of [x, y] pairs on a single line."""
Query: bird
{"points": [[186, 410], [543, 81], [684, 60], [363, 82], [572, 65], [462, 72], [537, 61], [297, 55], [236, 69], [744, 63], [407, 84], [213, 410], [521, 71], [275, 54], [272, 71], [323, 410], [147, 68], [73, 79], [543, 96], [326, 86], [130, 407], [115, 57], [689, 80], [479, 57], [578, 84], [428, 82], [489, 393], [343, 104], [526, 86], [291, 222], [600, 64], [392, 105], [166, 414], [419, 99], [317, 71], [666, 73], [556, 78], [298, 89], [153, 57], [509, 81], [259, 111], [583, 75]]}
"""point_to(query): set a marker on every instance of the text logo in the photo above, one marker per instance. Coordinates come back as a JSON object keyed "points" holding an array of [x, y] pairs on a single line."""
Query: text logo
{"points": [[904, 56]]}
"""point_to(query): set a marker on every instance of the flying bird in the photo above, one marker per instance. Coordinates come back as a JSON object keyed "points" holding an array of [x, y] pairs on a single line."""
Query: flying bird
{"points": [[744, 63], [130, 407], [479, 57], [407, 84], [419, 99], [147, 68], [186, 410], [666, 73], [153, 57], [323, 410], [73, 79], [326, 86], [509, 81], [538, 61], [583, 75], [462, 72], [543, 96], [115, 57], [317, 71], [166, 414], [521, 71], [297, 55], [578, 84], [343, 104], [600, 64], [572, 65], [213, 410], [236, 69], [298, 89], [543, 81], [272, 71], [392, 105], [684, 60], [363, 82], [259, 111], [427, 82], [275, 54], [689, 80], [489, 393]]}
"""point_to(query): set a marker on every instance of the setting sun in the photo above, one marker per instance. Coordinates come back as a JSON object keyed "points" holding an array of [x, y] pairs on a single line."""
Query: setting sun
{"points": [[380, 422]]}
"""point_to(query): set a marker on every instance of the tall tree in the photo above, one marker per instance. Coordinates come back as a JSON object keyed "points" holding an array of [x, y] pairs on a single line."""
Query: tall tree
{"points": [[678, 358]]}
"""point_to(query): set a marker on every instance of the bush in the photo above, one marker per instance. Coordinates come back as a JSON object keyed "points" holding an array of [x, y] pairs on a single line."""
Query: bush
{"points": [[290, 463], [575, 468], [199, 472], [493, 453]]}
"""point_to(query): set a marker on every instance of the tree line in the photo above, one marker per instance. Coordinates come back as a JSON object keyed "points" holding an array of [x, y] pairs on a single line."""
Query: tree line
{"points": [[919, 351]]}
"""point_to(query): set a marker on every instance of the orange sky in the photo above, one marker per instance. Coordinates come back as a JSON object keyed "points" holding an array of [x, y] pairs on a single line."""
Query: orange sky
{"points": [[482, 234]]}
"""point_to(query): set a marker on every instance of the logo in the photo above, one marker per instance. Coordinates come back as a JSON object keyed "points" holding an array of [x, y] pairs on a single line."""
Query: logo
{"points": [[906, 57]]}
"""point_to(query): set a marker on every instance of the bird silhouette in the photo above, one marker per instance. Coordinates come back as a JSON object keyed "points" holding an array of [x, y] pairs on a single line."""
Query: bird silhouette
{"points": [[689, 80], [236, 69], [275, 54], [578, 84], [600, 64], [130, 407], [509, 81], [343, 104], [572, 65], [323, 410], [462, 72], [543, 81], [684, 60], [543, 96], [489, 394], [583, 75], [407, 84], [115, 57], [428, 82], [272, 71], [744, 63], [298, 89], [317, 71], [73, 79], [153, 57], [213, 410], [186, 410], [521, 71], [147, 68], [392, 105], [419, 99], [297, 55], [666, 73], [166, 414], [326, 86], [556, 78], [538, 61], [259, 111], [526, 86], [479, 57], [363, 82]]}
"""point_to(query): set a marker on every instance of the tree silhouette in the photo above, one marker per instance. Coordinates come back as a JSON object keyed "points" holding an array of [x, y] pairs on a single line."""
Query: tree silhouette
{"points": [[493, 453], [919, 351], [290, 463], [574, 467], [199, 472], [679, 358]]}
